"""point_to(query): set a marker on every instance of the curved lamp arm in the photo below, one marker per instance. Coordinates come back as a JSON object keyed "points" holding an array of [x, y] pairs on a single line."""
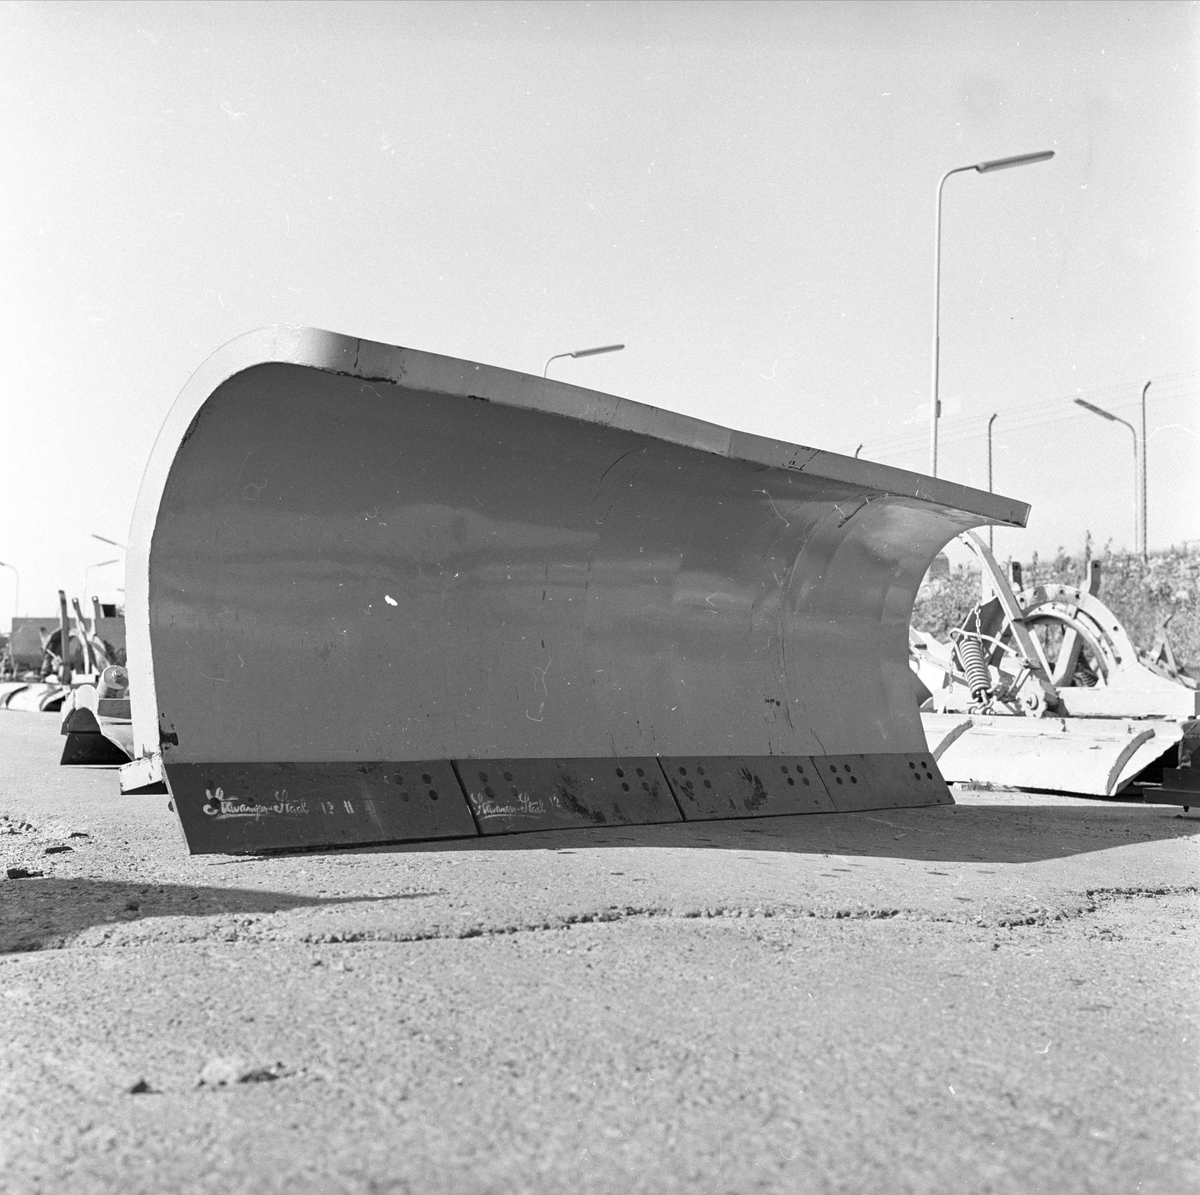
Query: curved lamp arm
{"points": [[604, 348]]}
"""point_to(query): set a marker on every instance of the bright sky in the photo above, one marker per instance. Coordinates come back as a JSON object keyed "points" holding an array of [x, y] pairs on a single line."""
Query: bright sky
{"points": [[743, 193]]}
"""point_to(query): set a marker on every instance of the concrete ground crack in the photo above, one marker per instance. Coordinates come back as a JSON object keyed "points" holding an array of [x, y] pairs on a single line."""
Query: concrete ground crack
{"points": [[282, 925], [1132, 893]]}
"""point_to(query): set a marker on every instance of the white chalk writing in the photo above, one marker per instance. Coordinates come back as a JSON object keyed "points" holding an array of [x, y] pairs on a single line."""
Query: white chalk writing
{"points": [[219, 806], [526, 806]]}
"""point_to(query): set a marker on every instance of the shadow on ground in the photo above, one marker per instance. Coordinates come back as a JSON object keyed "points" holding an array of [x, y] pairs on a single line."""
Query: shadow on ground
{"points": [[41, 911], [946, 834]]}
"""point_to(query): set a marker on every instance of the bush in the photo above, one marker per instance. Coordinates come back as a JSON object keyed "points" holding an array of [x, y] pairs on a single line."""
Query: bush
{"points": [[1139, 592]]}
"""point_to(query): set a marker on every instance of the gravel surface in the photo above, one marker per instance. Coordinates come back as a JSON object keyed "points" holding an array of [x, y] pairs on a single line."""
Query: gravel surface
{"points": [[1000, 996]]}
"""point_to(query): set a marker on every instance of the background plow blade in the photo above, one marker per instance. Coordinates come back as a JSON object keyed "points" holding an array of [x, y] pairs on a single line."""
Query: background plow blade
{"points": [[1042, 688], [350, 555], [1091, 756], [97, 729]]}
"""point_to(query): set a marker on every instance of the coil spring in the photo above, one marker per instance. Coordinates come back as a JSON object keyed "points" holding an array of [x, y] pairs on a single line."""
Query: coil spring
{"points": [[974, 666]]}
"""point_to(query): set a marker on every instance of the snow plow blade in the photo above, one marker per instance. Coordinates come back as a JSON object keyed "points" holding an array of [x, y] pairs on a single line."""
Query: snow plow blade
{"points": [[97, 729], [1094, 757], [378, 595], [1043, 689], [39, 697]]}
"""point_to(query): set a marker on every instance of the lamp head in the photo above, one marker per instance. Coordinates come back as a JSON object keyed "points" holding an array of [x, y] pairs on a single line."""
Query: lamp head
{"points": [[1096, 410], [1018, 160], [604, 348]]}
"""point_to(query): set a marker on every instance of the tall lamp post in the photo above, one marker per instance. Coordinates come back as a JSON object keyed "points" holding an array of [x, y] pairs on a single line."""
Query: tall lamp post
{"points": [[17, 592], [1145, 446], [991, 529], [1095, 410], [604, 348], [982, 168], [87, 572]]}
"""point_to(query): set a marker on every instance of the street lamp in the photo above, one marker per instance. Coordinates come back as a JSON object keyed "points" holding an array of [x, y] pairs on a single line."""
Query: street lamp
{"points": [[1145, 446], [17, 593], [87, 573], [604, 348], [982, 168], [1095, 410], [991, 529], [105, 540]]}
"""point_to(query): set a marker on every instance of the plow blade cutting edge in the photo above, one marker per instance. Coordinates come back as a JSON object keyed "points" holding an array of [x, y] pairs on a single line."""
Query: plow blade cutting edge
{"points": [[377, 595]]}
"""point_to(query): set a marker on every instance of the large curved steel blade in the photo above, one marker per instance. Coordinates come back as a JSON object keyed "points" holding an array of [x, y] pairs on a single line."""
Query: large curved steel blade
{"points": [[346, 553]]}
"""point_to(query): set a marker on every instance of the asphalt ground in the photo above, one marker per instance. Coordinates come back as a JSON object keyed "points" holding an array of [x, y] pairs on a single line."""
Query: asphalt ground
{"points": [[999, 996]]}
